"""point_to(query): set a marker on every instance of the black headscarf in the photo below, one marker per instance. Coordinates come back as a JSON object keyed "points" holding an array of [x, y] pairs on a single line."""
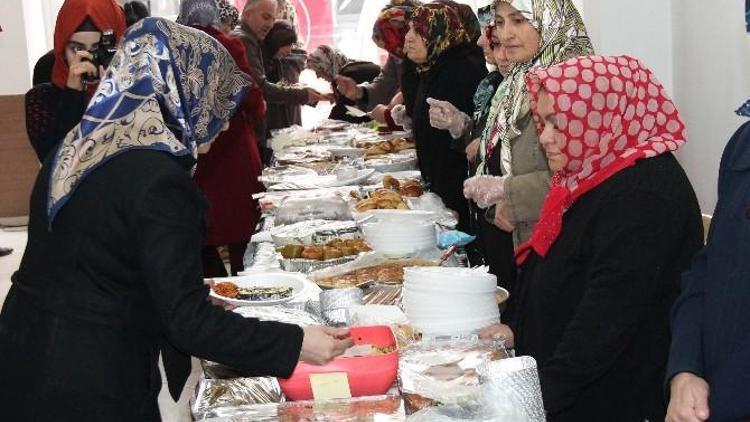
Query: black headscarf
{"points": [[282, 33]]}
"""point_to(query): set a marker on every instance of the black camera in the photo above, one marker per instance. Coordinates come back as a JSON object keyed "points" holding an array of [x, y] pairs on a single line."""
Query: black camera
{"points": [[103, 54]]}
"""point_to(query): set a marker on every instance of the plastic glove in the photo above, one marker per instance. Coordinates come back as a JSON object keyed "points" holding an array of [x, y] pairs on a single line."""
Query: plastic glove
{"points": [[485, 190], [444, 115], [399, 116]]}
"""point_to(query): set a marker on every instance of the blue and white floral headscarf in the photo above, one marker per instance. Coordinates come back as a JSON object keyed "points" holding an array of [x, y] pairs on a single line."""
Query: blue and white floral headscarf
{"points": [[744, 109], [169, 88]]}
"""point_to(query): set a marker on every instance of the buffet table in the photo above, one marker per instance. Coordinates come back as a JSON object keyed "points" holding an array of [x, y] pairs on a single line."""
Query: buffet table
{"points": [[352, 237]]}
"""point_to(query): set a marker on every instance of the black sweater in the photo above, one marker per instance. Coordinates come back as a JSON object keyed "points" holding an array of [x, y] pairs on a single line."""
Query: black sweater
{"points": [[594, 312], [454, 78], [51, 113], [121, 270]]}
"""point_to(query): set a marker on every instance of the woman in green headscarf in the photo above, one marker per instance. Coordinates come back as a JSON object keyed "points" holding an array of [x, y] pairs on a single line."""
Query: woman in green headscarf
{"points": [[512, 177]]}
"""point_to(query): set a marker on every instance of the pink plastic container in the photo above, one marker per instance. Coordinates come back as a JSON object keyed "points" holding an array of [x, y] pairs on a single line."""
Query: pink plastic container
{"points": [[368, 375]]}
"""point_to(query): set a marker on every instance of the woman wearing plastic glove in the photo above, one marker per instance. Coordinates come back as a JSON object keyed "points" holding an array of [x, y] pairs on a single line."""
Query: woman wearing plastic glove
{"points": [[388, 33], [513, 177], [444, 115], [449, 67], [111, 277], [619, 226]]}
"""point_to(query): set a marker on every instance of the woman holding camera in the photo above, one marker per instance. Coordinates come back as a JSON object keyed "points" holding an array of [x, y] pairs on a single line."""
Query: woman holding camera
{"points": [[53, 109]]}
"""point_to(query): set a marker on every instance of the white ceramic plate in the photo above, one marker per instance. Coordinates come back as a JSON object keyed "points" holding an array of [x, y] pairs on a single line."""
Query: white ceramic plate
{"points": [[296, 282]]}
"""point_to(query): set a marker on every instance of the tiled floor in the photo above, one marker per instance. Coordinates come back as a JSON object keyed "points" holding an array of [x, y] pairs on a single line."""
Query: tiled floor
{"points": [[170, 411]]}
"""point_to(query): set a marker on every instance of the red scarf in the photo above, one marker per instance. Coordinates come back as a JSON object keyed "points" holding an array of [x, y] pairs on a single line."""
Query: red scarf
{"points": [[612, 112], [105, 14]]}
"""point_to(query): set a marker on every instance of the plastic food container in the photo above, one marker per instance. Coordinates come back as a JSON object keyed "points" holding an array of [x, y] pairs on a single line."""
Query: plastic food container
{"points": [[368, 375]]}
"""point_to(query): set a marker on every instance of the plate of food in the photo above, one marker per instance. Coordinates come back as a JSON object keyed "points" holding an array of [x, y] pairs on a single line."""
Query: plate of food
{"points": [[257, 290]]}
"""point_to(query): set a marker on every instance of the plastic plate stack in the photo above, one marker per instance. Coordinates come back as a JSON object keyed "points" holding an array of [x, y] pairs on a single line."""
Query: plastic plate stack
{"points": [[397, 240], [446, 301]]}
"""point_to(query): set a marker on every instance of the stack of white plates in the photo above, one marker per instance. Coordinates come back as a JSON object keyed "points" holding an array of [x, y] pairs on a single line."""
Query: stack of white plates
{"points": [[450, 301], [399, 240]]}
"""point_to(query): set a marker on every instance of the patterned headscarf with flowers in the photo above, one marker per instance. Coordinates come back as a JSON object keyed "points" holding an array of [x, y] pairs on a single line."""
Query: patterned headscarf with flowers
{"points": [[391, 27], [611, 112], [563, 36], [441, 27]]}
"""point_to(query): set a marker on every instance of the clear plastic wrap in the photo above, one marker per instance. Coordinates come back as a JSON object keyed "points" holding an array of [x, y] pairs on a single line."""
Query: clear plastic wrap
{"points": [[293, 210], [445, 373], [383, 294]]}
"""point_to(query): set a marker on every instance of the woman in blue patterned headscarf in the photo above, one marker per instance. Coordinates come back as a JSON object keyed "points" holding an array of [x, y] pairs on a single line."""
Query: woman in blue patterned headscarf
{"points": [[111, 277]]}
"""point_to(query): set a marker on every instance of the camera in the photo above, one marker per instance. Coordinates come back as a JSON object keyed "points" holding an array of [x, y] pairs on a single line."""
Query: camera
{"points": [[103, 54]]}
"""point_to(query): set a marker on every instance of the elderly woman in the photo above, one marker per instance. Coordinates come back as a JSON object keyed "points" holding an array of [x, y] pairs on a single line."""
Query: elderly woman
{"points": [[327, 62], [228, 174], [111, 276], [52, 109], [388, 33], [513, 177], [229, 17], [449, 67], [619, 226]]}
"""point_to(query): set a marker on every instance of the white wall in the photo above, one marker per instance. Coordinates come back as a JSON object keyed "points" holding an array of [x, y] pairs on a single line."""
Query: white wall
{"points": [[15, 77], [712, 79], [639, 28]]}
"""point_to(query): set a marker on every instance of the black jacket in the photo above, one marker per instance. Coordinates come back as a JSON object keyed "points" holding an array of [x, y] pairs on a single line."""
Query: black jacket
{"points": [[51, 113], [594, 312], [454, 78], [117, 280], [361, 72], [711, 319]]}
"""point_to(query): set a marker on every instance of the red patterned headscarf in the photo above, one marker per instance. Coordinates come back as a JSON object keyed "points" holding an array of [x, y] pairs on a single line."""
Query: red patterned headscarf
{"points": [[105, 14], [390, 29], [612, 112]]}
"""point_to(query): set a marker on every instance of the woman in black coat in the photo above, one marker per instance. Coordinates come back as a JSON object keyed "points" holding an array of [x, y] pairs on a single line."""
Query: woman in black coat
{"points": [[111, 277], [447, 66], [327, 63], [618, 227]]}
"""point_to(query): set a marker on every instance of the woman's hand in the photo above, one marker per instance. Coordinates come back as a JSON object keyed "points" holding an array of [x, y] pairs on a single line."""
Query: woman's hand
{"points": [[80, 65], [485, 190], [472, 150], [498, 330], [321, 344], [349, 88], [688, 400], [378, 114], [501, 220]]}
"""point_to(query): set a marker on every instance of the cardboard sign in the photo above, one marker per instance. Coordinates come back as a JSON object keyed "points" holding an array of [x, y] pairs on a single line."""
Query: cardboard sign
{"points": [[330, 386]]}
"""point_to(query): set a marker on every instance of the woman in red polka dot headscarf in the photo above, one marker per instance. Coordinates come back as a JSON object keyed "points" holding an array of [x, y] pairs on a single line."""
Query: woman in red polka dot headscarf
{"points": [[618, 227]]}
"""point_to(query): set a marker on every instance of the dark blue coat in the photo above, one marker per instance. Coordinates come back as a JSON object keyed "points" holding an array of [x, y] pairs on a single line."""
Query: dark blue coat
{"points": [[711, 318]]}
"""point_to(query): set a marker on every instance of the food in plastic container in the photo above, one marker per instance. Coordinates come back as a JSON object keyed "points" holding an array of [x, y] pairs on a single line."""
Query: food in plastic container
{"points": [[368, 375]]}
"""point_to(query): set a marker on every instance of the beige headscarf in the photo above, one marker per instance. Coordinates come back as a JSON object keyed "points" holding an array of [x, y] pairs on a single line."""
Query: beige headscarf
{"points": [[563, 36]]}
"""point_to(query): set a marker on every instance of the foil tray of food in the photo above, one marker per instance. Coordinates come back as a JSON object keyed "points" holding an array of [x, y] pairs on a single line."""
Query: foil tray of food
{"points": [[387, 408]]}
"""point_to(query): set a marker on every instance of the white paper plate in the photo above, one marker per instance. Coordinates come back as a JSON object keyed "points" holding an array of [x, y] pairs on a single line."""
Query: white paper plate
{"points": [[295, 281]]}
